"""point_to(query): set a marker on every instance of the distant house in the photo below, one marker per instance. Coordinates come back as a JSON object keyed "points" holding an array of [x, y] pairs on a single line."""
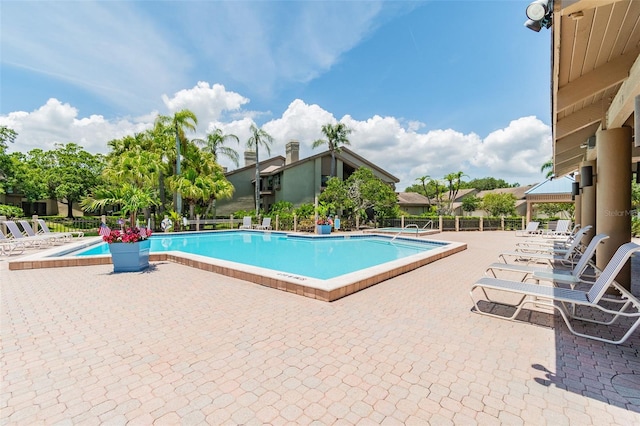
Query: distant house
{"points": [[518, 192], [457, 202], [292, 179], [44, 207], [413, 203]]}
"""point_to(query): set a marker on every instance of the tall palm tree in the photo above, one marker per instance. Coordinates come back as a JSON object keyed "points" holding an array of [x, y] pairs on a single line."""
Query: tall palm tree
{"points": [[259, 137], [424, 180], [181, 121], [548, 167], [454, 180], [214, 143], [336, 135]]}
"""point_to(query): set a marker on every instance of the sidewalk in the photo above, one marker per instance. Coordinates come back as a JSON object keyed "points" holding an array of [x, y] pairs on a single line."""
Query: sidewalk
{"points": [[177, 345]]}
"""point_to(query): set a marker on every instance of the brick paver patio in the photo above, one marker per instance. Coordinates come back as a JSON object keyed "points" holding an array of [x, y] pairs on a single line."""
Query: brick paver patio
{"points": [[176, 345]]}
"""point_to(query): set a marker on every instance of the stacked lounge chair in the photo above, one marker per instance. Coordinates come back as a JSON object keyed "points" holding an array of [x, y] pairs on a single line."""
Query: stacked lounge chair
{"points": [[620, 310]]}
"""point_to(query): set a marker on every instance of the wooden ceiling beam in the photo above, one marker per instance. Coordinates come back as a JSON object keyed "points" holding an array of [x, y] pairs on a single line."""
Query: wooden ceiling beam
{"points": [[603, 77], [623, 103], [580, 119]]}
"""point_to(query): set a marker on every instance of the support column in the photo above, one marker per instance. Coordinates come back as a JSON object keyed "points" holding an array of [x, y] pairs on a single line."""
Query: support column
{"points": [[613, 199], [588, 201], [577, 214]]}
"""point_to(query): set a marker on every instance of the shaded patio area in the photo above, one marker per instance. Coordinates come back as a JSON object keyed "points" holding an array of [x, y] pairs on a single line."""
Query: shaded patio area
{"points": [[180, 345]]}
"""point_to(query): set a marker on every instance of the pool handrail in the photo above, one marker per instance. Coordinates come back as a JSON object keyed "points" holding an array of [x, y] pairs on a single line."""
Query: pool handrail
{"points": [[411, 225]]}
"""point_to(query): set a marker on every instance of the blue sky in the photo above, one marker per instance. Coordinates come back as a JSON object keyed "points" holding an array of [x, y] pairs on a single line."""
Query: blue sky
{"points": [[429, 87]]}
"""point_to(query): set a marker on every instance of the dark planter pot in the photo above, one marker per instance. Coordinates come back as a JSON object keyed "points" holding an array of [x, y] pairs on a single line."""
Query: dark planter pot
{"points": [[323, 229], [130, 257]]}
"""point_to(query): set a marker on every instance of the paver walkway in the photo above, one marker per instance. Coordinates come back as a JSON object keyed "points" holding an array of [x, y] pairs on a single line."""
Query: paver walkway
{"points": [[176, 345]]}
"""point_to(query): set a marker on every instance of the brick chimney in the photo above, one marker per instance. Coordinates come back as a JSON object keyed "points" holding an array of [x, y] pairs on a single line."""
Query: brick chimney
{"points": [[249, 158], [293, 152]]}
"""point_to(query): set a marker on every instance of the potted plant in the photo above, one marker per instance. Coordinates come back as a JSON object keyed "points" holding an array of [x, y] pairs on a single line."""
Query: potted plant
{"points": [[324, 225], [129, 247]]}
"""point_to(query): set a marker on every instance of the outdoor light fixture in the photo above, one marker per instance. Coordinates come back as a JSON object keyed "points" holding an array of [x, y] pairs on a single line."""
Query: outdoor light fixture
{"points": [[539, 13], [575, 188], [586, 176], [537, 10]]}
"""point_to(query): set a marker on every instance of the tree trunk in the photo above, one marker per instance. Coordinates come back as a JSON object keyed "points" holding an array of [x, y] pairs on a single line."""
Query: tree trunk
{"points": [[70, 209], [257, 182], [333, 164]]}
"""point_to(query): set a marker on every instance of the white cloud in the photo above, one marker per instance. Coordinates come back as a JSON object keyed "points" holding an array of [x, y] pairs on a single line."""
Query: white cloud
{"points": [[514, 153], [207, 102], [56, 122]]}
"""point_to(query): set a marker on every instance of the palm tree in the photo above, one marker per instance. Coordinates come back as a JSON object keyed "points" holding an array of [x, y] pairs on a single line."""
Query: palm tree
{"points": [[336, 135], [214, 143], [259, 137], [202, 179], [424, 180], [181, 121], [548, 167], [454, 180]]}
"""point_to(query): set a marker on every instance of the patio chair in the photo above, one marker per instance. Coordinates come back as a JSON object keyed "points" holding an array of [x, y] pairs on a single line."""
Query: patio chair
{"points": [[44, 230], [531, 229], [566, 257], [572, 276], [19, 236], [577, 232], [571, 303], [551, 247], [561, 229], [54, 237], [8, 246], [246, 223], [266, 224]]}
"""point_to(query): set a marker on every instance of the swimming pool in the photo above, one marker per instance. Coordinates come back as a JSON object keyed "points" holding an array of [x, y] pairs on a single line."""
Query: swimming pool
{"points": [[321, 258], [322, 267]]}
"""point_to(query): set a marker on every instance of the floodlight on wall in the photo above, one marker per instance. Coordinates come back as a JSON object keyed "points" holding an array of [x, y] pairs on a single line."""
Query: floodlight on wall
{"points": [[540, 14], [586, 176], [537, 10], [575, 190]]}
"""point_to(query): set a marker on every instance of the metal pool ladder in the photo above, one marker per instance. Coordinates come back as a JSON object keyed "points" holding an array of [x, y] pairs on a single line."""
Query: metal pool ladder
{"points": [[411, 225]]}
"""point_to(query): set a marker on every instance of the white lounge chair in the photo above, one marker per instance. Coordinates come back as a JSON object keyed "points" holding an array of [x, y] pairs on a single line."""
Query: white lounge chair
{"points": [[55, 238], [44, 230], [561, 229], [19, 236], [556, 242], [571, 277], [560, 248], [565, 300], [266, 224], [531, 229], [8, 246], [246, 223], [567, 257]]}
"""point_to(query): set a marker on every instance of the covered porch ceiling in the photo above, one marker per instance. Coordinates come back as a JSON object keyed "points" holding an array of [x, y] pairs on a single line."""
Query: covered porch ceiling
{"points": [[595, 75]]}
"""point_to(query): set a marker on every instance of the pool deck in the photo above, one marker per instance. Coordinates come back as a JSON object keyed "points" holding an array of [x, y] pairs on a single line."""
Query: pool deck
{"points": [[179, 345]]}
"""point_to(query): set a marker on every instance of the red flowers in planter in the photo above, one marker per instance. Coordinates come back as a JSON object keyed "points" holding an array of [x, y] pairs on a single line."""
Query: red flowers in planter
{"points": [[128, 235]]}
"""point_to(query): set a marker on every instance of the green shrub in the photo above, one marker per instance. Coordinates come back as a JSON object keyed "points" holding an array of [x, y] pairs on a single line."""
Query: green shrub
{"points": [[11, 211], [635, 226]]}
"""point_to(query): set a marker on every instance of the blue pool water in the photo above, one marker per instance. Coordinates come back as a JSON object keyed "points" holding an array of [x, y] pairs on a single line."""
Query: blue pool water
{"points": [[321, 258]]}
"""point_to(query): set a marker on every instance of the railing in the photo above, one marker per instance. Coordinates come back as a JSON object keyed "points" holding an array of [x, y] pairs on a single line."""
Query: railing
{"points": [[90, 224]]}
